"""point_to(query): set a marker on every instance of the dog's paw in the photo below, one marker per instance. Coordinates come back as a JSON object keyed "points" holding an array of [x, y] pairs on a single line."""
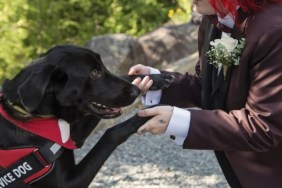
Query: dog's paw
{"points": [[161, 81]]}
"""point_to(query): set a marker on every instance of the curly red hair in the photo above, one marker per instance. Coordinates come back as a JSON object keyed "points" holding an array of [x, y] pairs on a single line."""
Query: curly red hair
{"points": [[247, 5]]}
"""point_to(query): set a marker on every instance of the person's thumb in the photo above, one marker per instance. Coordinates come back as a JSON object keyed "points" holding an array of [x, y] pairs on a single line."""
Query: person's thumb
{"points": [[132, 71]]}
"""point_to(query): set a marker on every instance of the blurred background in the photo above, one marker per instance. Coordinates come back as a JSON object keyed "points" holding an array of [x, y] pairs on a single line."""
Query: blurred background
{"points": [[30, 27]]}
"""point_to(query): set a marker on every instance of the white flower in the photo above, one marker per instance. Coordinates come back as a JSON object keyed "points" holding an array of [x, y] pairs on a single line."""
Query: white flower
{"points": [[228, 42]]}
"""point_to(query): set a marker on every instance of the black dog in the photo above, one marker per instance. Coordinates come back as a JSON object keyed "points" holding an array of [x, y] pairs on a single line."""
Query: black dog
{"points": [[69, 85]]}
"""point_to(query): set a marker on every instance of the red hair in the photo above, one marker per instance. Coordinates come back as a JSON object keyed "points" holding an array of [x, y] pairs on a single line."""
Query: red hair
{"points": [[248, 6]]}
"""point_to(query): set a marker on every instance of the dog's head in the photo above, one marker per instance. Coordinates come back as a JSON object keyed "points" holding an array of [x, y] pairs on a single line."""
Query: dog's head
{"points": [[69, 80]]}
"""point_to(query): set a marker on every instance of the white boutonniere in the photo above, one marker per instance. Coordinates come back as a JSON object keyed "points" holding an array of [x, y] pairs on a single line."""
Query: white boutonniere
{"points": [[225, 52]]}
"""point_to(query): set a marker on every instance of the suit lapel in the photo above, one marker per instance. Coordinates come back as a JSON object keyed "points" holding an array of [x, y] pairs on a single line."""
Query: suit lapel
{"points": [[220, 85], [207, 69], [214, 87], [220, 88]]}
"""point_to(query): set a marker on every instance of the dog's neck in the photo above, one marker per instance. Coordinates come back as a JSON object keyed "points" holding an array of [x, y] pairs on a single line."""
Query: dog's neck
{"points": [[18, 112], [22, 113]]}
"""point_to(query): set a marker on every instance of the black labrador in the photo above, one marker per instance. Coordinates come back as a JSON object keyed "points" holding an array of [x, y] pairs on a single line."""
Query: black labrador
{"points": [[69, 83]]}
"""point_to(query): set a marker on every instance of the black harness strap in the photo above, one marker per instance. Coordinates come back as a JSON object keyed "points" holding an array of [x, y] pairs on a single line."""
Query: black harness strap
{"points": [[21, 185], [13, 176]]}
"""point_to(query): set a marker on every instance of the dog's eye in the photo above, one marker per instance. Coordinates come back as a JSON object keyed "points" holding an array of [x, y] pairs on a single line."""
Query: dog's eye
{"points": [[95, 74]]}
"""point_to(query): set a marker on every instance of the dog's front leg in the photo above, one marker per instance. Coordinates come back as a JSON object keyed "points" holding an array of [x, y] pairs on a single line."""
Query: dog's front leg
{"points": [[87, 169]]}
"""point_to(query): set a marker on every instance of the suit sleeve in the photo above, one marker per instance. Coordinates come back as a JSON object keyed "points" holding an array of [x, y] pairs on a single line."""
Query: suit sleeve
{"points": [[258, 125]]}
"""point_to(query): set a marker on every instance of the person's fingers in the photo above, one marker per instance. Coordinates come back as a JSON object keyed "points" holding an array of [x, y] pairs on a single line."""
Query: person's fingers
{"points": [[136, 81], [143, 85], [144, 128], [160, 117], [147, 86], [153, 126], [144, 82], [148, 112]]}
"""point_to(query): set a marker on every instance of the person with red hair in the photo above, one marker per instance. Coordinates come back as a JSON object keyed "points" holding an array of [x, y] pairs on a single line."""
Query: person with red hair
{"points": [[237, 88]]}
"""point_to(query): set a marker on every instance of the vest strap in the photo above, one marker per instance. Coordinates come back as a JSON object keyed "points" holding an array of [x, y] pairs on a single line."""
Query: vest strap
{"points": [[14, 175]]}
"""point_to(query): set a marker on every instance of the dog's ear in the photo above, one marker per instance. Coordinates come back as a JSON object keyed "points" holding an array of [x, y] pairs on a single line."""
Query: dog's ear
{"points": [[32, 90]]}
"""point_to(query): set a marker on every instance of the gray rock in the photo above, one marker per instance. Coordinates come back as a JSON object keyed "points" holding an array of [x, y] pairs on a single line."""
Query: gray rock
{"points": [[158, 48], [118, 51], [169, 44]]}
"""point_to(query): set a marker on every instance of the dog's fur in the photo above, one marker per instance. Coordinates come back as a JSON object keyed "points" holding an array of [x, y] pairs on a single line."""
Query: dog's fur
{"points": [[68, 82]]}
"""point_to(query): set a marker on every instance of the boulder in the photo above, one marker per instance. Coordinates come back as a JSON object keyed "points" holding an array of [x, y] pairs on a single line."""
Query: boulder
{"points": [[159, 48], [118, 51], [169, 44]]}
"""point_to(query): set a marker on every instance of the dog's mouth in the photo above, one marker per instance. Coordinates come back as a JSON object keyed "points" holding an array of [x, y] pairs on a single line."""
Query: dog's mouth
{"points": [[104, 111]]}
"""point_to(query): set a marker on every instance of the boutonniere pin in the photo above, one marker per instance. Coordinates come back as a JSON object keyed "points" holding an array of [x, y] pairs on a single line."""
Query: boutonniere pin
{"points": [[225, 52]]}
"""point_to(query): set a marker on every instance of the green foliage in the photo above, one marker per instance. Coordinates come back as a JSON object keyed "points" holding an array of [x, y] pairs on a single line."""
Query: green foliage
{"points": [[30, 27], [182, 13], [135, 17], [12, 32]]}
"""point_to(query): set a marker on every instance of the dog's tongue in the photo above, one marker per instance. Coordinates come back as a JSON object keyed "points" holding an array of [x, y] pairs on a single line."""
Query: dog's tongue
{"points": [[114, 111]]}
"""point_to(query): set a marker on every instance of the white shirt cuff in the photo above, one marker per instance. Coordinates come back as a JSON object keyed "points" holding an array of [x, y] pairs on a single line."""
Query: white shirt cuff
{"points": [[152, 97], [179, 125]]}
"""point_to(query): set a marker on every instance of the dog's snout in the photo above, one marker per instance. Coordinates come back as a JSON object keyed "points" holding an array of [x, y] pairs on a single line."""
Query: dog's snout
{"points": [[134, 92]]}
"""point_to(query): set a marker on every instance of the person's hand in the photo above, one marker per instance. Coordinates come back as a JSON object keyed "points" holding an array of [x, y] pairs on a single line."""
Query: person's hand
{"points": [[159, 122], [142, 84], [139, 69]]}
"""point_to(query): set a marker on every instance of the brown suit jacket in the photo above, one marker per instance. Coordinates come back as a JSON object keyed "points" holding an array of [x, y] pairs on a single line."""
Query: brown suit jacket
{"points": [[248, 127]]}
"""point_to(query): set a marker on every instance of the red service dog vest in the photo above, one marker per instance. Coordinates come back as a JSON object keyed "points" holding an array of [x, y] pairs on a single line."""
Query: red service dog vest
{"points": [[47, 128]]}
